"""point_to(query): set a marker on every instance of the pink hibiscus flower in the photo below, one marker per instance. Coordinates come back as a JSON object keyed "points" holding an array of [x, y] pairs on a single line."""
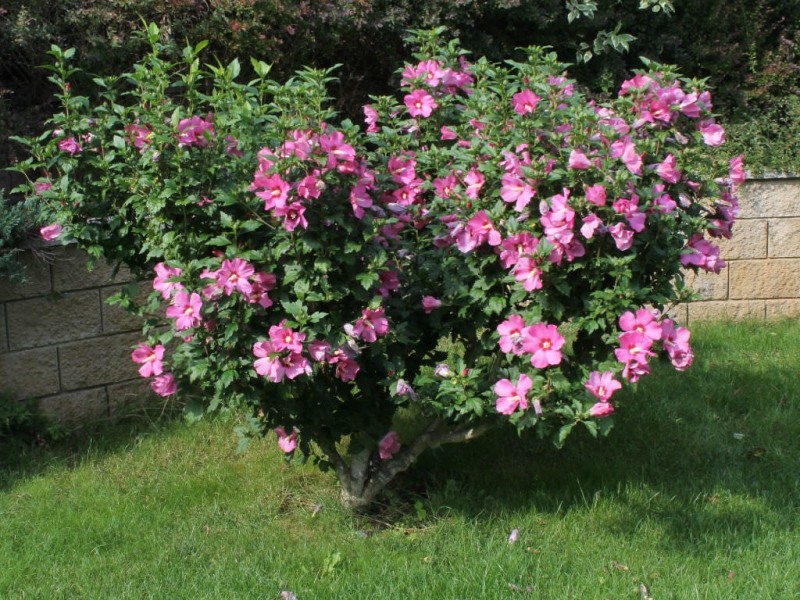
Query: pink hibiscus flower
{"points": [[511, 397], [544, 343]]}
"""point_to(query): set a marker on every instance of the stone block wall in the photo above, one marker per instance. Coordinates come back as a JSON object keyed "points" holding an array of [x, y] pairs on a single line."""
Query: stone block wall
{"points": [[762, 280], [61, 343]]}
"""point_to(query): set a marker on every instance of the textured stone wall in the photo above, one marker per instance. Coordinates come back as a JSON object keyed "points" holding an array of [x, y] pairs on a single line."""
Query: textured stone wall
{"points": [[62, 343], [762, 280]]}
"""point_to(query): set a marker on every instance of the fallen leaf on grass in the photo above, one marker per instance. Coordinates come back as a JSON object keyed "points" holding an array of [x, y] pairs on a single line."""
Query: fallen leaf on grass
{"points": [[619, 566], [644, 592], [518, 588]]}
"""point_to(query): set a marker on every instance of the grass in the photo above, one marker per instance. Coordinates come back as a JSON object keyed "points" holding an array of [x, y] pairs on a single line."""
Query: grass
{"points": [[695, 494]]}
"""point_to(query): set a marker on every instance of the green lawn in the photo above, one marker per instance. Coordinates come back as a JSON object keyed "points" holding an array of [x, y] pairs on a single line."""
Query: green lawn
{"points": [[695, 494]]}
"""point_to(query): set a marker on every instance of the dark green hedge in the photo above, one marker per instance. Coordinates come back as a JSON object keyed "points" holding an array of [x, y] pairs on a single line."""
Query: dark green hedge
{"points": [[747, 48]]}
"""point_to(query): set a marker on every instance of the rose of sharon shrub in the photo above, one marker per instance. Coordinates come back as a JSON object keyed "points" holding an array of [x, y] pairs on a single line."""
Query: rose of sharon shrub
{"points": [[488, 247]]}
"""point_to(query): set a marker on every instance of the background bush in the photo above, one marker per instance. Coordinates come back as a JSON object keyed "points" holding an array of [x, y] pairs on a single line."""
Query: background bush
{"points": [[748, 49]]}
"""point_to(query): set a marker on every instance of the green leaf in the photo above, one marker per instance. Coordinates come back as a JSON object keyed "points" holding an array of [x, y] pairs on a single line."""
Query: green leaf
{"points": [[193, 411], [563, 432], [368, 279], [219, 240]]}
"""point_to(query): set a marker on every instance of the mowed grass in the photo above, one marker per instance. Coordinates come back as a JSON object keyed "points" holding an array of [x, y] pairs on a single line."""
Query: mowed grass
{"points": [[695, 494]]}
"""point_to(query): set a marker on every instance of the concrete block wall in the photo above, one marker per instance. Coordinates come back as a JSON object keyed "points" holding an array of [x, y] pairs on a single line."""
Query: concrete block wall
{"points": [[61, 343], [762, 279]]}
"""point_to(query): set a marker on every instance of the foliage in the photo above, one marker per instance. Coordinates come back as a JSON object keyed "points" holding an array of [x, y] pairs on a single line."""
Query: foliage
{"points": [[22, 424], [736, 44], [17, 220], [493, 247], [769, 138]]}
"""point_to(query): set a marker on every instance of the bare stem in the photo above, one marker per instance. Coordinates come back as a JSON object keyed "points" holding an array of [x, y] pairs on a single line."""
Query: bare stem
{"points": [[360, 484]]}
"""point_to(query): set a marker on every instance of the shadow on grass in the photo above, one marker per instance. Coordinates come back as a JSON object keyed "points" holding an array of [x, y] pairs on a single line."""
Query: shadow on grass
{"points": [[34, 449], [712, 454]]}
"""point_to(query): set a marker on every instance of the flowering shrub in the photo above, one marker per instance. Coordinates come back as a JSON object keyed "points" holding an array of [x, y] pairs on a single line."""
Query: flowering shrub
{"points": [[489, 247]]}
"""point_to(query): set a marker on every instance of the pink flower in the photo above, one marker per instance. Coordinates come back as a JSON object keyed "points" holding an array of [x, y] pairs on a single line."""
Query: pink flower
{"points": [[591, 223], [310, 187], [447, 134], [285, 338], [511, 397], [528, 274], [602, 385], [429, 303], [634, 347], [578, 160], [596, 194], [370, 118], [515, 246], [474, 180], [675, 340], [514, 189], [632, 160], [512, 333], [479, 230], [443, 370], [195, 131], [371, 325], [403, 389], [319, 350], [389, 445], [287, 443], [703, 254], [420, 104], [293, 216], [50, 232], [524, 102], [150, 359], [667, 171], [346, 369], [69, 145], [341, 155], [544, 343], [389, 282], [164, 385], [601, 409], [185, 309], [41, 186], [232, 146], [234, 275], [294, 364], [736, 172], [623, 237], [713, 134], [402, 168], [268, 363], [274, 190], [139, 136], [643, 321]]}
